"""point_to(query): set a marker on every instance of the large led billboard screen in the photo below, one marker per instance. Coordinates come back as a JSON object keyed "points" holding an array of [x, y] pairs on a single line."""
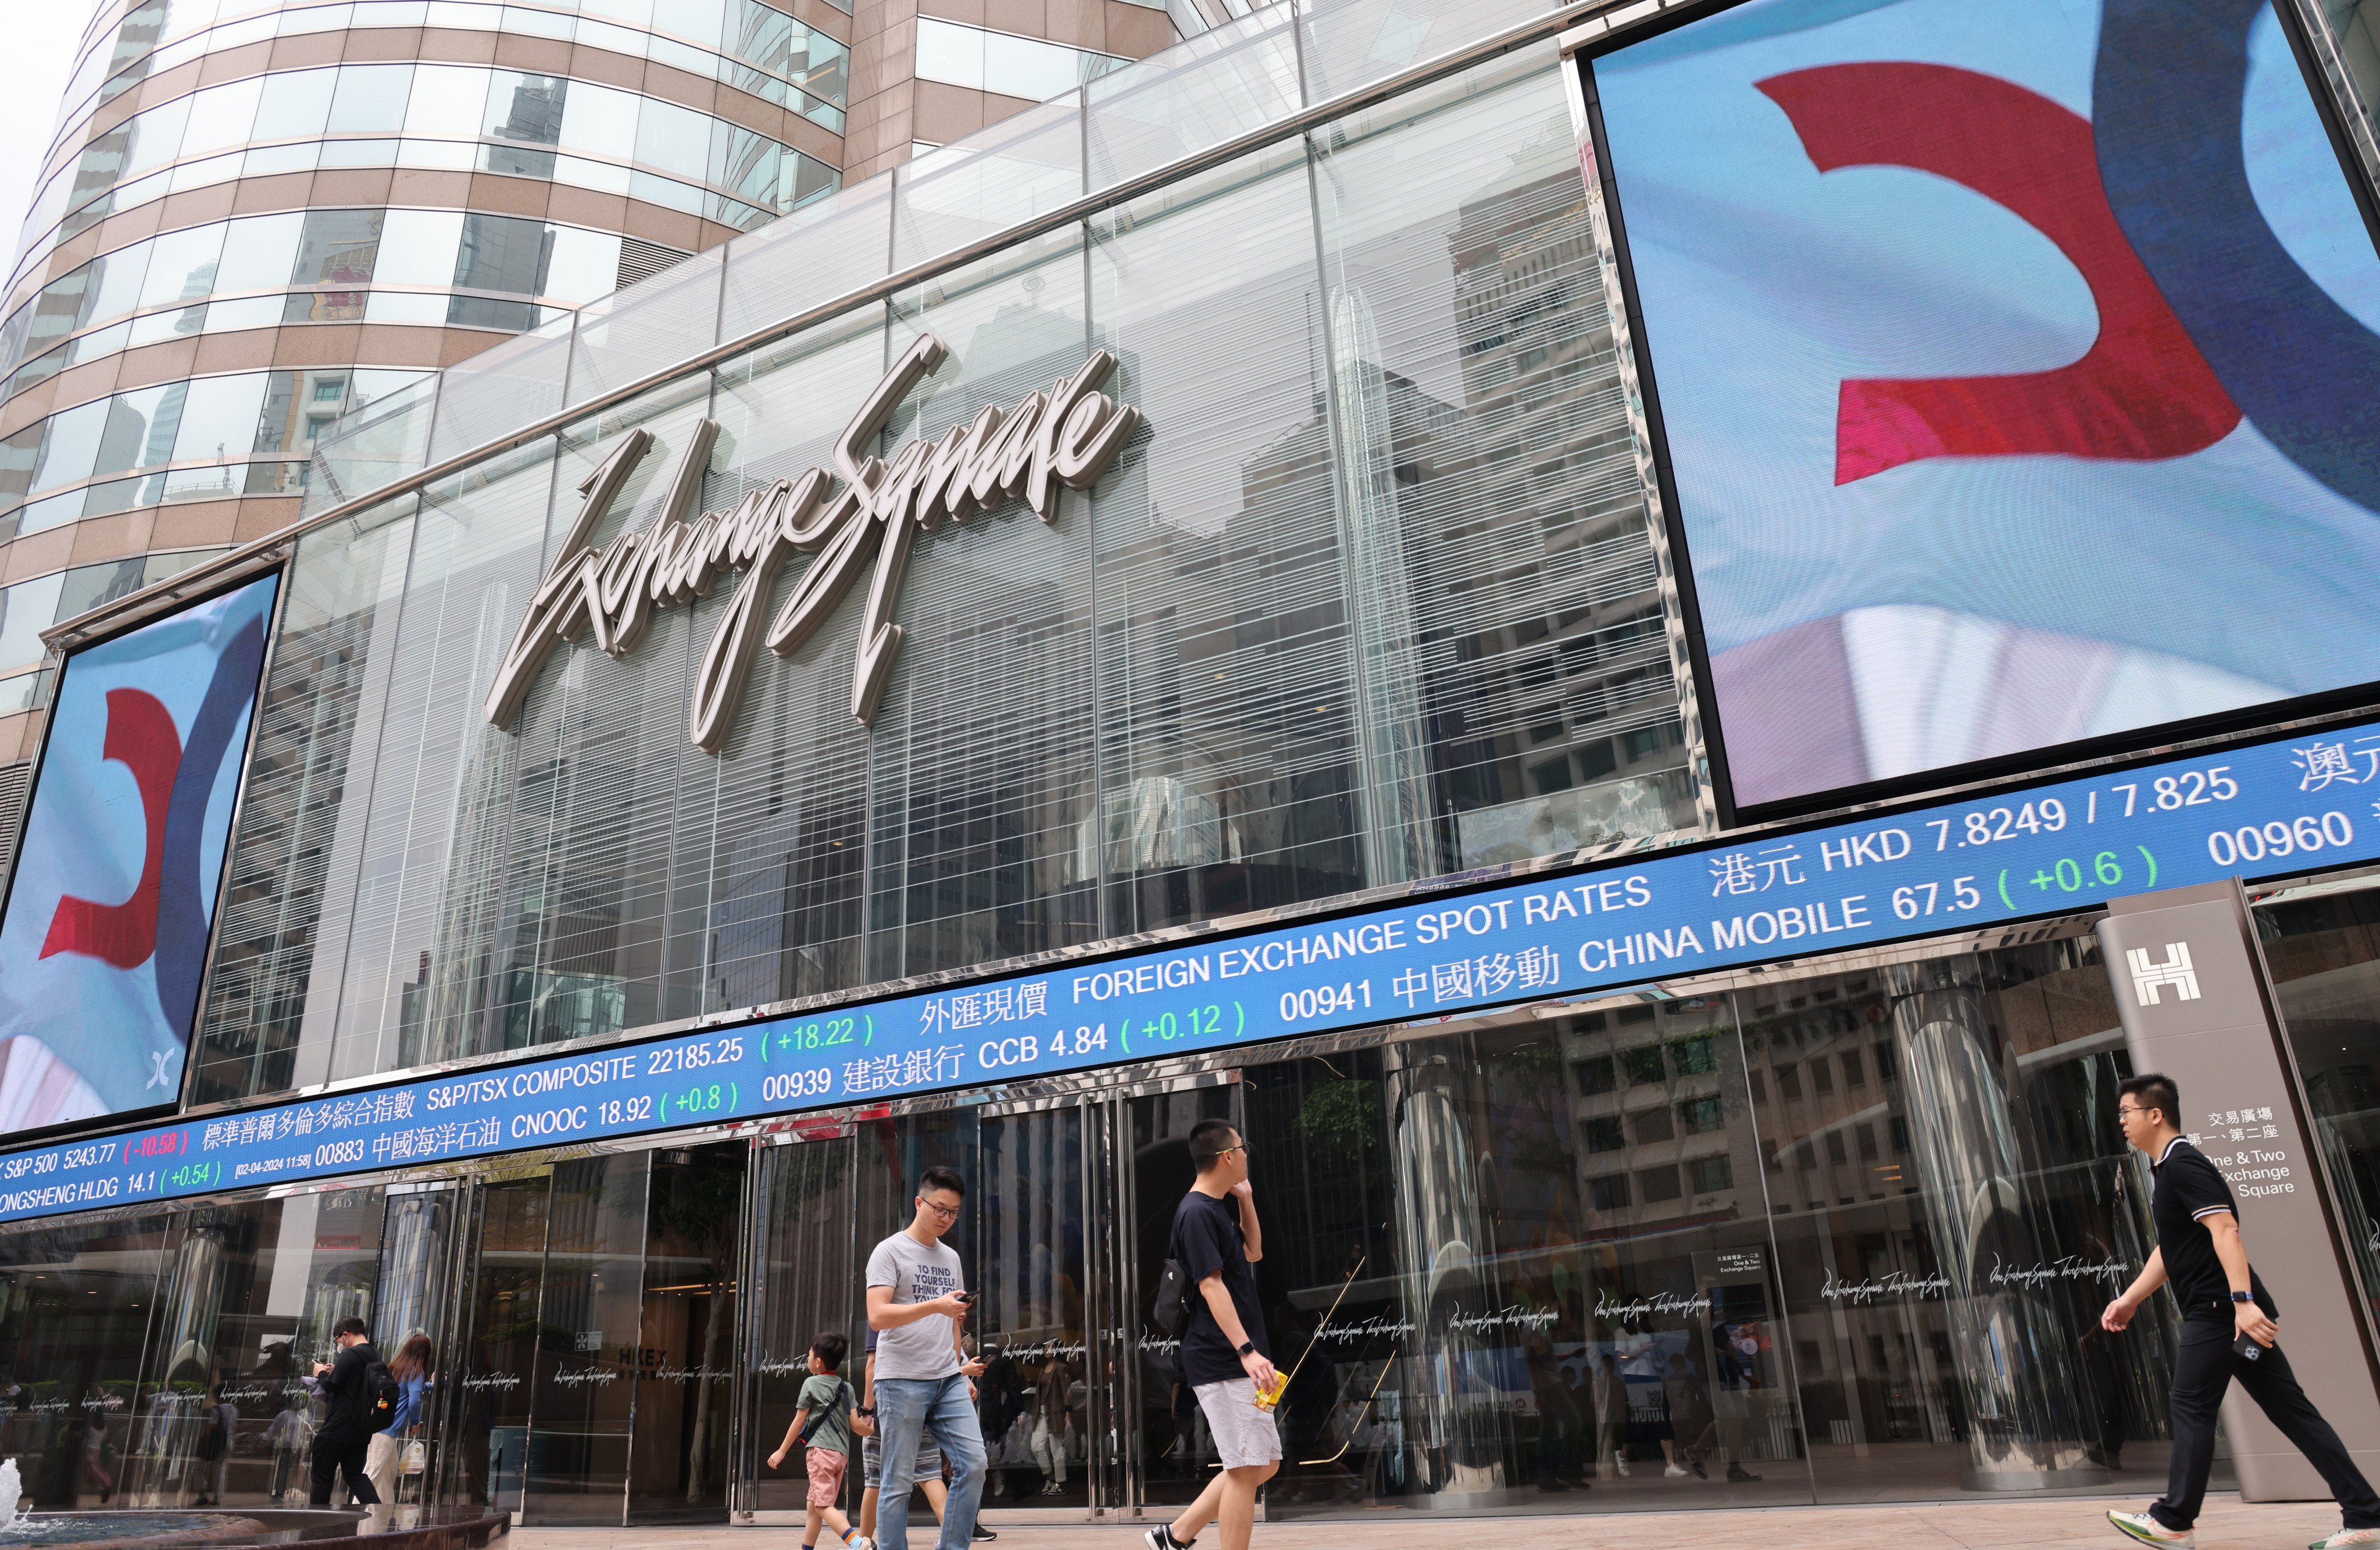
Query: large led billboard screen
{"points": [[2017, 369], [104, 932]]}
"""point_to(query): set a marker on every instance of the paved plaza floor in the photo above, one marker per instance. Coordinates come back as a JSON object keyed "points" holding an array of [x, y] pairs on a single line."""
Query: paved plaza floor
{"points": [[2228, 1524]]}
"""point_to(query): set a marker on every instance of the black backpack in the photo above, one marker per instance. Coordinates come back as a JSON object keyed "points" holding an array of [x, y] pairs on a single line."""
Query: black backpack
{"points": [[380, 1396], [1171, 1312]]}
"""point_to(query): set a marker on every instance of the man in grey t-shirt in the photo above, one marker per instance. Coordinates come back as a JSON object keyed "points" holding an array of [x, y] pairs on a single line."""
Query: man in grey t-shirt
{"points": [[917, 1305]]}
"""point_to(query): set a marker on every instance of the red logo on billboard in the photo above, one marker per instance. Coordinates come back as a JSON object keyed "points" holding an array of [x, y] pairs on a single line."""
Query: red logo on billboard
{"points": [[2143, 391], [142, 738]]}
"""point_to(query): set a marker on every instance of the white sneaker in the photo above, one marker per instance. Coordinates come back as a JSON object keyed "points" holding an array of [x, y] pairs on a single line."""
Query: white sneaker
{"points": [[2148, 1530], [1674, 1472], [1620, 1459], [859, 1542], [2347, 1537]]}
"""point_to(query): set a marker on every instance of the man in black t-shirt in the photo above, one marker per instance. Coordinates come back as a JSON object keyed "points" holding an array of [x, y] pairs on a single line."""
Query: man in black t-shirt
{"points": [[1225, 1355], [2200, 1254]]}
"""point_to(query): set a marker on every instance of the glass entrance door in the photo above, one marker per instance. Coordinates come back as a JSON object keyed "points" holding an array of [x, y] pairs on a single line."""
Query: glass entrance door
{"points": [[492, 1378], [1032, 1284], [593, 1373], [822, 1196], [588, 1351], [1073, 1206], [685, 1332], [1167, 1456], [804, 1287]]}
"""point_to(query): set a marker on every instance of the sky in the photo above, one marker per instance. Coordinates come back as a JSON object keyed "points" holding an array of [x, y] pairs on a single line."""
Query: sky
{"points": [[40, 36]]}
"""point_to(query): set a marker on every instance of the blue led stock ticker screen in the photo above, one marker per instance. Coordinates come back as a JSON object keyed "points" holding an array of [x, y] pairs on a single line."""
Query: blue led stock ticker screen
{"points": [[2284, 806]]}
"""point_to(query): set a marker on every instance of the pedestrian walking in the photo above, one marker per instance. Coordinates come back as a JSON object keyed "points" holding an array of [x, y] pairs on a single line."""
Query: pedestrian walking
{"points": [[1611, 1416], [385, 1456], [2229, 1329], [1226, 1359], [1053, 1427], [289, 1436], [346, 1386], [917, 1305], [823, 1426], [1688, 1399], [927, 1469], [221, 1420]]}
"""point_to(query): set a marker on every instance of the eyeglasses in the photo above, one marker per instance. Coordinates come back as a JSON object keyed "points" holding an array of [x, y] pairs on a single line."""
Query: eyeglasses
{"points": [[943, 1212], [1242, 1150], [2121, 1111]]}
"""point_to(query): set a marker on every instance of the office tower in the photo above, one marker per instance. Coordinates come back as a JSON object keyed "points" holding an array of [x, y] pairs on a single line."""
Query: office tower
{"points": [[256, 216]]}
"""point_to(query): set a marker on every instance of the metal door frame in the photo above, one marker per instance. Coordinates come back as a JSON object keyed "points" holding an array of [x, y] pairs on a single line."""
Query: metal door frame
{"points": [[1111, 1249], [460, 1252], [1096, 1142], [748, 1229], [744, 1398], [441, 1483], [1135, 1504], [751, 1272]]}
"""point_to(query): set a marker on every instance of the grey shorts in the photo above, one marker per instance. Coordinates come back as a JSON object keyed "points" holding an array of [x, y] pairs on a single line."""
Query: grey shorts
{"points": [[1244, 1435], [871, 1460]]}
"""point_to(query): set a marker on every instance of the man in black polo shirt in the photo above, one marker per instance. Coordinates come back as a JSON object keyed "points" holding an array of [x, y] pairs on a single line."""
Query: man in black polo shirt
{"points": [[2201, 1255]]}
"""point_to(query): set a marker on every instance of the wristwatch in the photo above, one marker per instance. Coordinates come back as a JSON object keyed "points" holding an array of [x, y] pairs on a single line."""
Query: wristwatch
{"points": [[1247, 1348], [2241, 1297]]}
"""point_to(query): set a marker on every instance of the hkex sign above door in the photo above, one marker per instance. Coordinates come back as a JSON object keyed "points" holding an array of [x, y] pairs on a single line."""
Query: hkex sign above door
{"points": [[1047, 442]]}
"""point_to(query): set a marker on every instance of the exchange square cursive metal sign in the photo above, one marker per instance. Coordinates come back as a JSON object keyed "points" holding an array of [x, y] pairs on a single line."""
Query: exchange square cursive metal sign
{"points": [[1034, 450]]}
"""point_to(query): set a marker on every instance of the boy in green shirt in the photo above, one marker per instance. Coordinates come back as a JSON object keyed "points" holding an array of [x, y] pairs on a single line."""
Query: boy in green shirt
{"points": [[828, 1438]]}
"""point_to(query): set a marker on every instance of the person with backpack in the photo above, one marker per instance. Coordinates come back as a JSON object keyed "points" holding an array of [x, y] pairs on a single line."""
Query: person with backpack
{"points": [[412, 1370], [1209, 1294], [358, 1398], [823, 1425]]}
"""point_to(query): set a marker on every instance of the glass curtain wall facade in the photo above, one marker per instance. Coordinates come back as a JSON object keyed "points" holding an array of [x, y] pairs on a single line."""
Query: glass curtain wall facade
{"points": [[1378, 603], [1377, 599]]}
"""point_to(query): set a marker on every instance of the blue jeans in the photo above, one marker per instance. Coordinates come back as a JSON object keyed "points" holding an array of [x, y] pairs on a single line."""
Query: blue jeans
{"points": [[904, 1408]]}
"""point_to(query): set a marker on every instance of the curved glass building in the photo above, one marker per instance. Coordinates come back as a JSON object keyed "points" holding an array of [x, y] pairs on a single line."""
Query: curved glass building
{"points": [[256, 216]]}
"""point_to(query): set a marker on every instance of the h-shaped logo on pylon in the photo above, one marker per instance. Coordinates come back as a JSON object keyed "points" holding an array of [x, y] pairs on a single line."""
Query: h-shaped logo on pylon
{"points": [[2149, 980]]}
